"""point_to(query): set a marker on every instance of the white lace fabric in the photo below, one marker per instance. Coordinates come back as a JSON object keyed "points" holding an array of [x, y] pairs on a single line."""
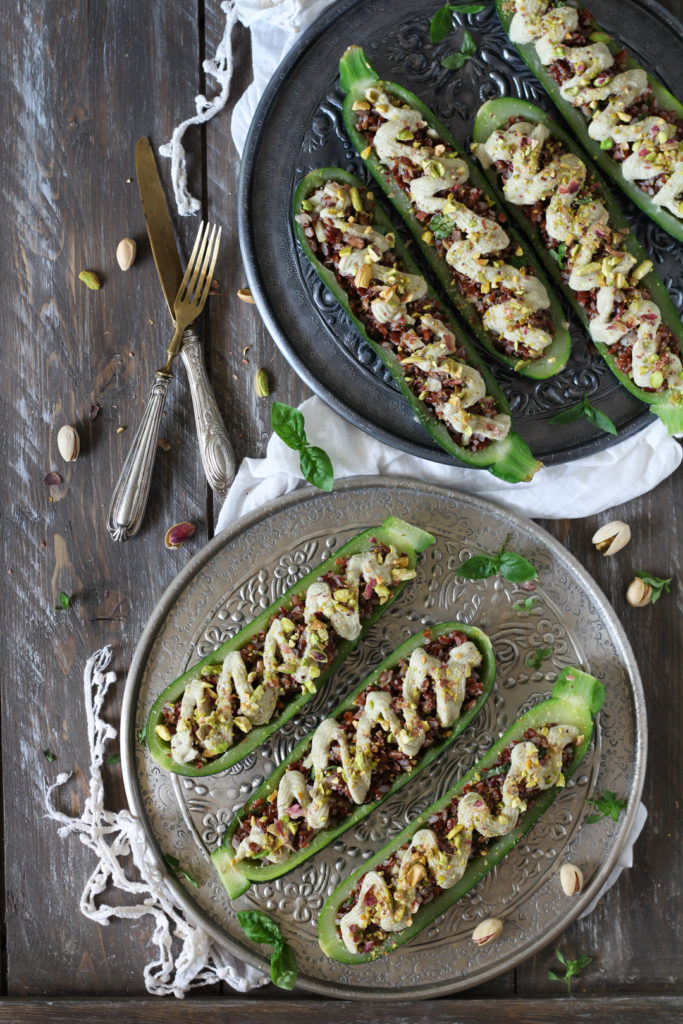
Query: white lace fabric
{"points": [[186, 957]]}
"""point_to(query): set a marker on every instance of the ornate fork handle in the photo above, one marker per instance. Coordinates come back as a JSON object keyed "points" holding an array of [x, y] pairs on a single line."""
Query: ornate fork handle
{"points": [[129, 499], [218, 457]]}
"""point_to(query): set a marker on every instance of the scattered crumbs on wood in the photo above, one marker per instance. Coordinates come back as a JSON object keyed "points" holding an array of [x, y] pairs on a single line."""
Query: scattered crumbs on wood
{"points": [[215, 288], [43, 543], [132, 355], [149, 320], [129, 181], [163, 444], [235, 377], [120, 430]]}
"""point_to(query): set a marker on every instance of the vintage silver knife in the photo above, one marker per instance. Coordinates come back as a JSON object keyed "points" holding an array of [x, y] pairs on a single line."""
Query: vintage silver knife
{"points": [[218, 457]]}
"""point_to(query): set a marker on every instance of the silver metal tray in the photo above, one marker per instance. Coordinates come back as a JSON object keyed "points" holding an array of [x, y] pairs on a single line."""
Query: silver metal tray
{"points": [[240, 572]]}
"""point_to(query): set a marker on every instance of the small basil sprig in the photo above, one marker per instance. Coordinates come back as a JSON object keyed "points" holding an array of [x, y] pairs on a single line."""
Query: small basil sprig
{"points": [[526, 606], [509, 564], [559, 253], [174, 865], [607, 806], [538, 656], [315, 464], [454, 61], [659, 584], [259, 927], [584, 408], [442, 21], [571, 968]]}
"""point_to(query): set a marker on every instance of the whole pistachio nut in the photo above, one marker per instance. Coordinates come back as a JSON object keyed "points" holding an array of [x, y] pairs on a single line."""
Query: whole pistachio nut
{"points": [[571, 879], [639, 593], [69, 443], [126, 252], [487, 931], [612, 537]]}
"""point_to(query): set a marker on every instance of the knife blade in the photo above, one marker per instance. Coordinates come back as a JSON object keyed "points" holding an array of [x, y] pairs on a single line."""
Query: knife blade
{"points": [[218, 458], [158, 221]]}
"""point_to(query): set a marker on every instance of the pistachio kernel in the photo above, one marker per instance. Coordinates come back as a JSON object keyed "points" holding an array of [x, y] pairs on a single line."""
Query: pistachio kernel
{"points": [[163, 733], [244, 295], [261, 385], [90, 278], [178, 534]]}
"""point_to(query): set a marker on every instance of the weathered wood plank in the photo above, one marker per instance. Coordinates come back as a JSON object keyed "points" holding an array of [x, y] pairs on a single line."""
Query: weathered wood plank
{"points": [[80, 83], [653, 1009]]}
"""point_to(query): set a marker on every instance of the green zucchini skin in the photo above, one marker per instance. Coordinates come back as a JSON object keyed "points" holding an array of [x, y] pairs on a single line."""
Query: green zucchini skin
{"points": [[509, 459], [237, 880], [494, 114], [408, 539], [576, 698], [357, 75], [579, 126]]}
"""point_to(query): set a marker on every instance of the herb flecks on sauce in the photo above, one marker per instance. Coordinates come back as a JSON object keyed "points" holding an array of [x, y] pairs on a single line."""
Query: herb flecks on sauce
{"points": [[557, 193], [510, 299], [618, 105], [386, 898], [395, 307], [225, 701], [353, 759]]}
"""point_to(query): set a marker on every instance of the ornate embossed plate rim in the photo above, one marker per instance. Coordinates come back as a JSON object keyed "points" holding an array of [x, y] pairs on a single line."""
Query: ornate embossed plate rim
{"points": [[291, 502], [568, 447]]}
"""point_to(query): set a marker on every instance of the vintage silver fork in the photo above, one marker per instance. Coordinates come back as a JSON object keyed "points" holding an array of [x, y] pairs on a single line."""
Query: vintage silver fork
{"points": [[129, 500]]}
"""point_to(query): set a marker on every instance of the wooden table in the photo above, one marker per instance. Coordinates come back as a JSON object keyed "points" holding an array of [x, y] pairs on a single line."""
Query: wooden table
{"points": [[80, 82]]}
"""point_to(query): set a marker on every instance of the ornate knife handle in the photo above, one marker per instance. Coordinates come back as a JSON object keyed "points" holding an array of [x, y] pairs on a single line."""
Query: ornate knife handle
{"points": [[218, 457], [129, 500]]}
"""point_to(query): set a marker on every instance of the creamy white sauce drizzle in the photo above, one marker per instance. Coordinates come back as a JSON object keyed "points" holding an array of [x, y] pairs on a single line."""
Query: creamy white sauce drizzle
{"points": [[473, 255], [393, 905], [398, 290], [653, 148], [258, 693], [297, 800], [584, 228]]}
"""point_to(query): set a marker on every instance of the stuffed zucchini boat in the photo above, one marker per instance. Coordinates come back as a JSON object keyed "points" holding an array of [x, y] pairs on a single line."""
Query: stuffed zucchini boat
{"points": [[497, 287], [395, 723], [352, 245], [629, 123], [579, 230], [230, 702], [456, 841]]}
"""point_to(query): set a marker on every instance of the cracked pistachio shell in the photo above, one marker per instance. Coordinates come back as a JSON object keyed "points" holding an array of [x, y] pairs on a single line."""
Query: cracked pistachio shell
{"points": [[487, 931], [68, 443], [612, 537], [571, 879], [639, 593]]}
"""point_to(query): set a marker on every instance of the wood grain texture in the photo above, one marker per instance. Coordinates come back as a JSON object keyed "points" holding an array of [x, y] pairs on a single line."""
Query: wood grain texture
{"points": [[250, 1010], [80, 82]]}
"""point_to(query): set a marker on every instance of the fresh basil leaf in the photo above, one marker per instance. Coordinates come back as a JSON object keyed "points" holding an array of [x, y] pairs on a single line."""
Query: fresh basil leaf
{"points": [[592, 818], [659, 584], [575, 412], [515, 567], [440, 25], [469, 44], [48, 755], [259, 927], [538, 656], [468, 8], [114, 759], [288, 424], [454, 61], [526, 606], [441, 226], [172, 861], [599, 419], [554, 977], [283, 970], [316, 467], [63, 600], [479, 567], [141, 736], [560, 956]]}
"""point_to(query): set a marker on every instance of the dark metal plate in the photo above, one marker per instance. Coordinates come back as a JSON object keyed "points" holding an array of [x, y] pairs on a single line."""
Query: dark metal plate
{"points": [[298, 127]]}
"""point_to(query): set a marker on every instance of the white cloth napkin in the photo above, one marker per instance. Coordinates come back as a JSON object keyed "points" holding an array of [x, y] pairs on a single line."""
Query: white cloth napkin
{"points": [[568, 491]]}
